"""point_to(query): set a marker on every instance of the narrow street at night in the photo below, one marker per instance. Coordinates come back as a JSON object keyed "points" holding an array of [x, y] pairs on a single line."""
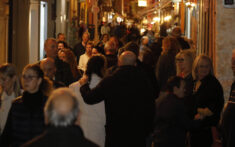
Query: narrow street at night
{"points": [[117, 73]]}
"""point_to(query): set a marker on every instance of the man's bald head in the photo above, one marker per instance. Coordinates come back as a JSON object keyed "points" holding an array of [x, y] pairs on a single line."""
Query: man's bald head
{"points": [[50, 47], [127, 58], [61, 109], [48, 67]]}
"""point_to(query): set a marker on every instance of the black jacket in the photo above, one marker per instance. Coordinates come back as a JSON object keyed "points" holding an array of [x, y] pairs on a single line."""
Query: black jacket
{"points": [[171, 122], [129, 104], [78, 50], [165, 68], [227, 127], [71, 136], [63, 72], [25, 119], [210, 95]]}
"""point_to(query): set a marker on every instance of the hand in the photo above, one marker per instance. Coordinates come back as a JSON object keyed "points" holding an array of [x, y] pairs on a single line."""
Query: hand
{"points": [[83, 80], [198, 117], [204, 111]]}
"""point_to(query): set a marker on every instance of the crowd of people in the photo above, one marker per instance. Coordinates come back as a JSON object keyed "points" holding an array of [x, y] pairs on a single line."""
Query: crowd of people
{"points": [[126, 90]]}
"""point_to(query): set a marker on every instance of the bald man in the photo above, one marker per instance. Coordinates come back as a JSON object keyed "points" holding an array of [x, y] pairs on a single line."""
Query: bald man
{"points": [[129, 103], [48, 67], [127, 58], [61, 112]]}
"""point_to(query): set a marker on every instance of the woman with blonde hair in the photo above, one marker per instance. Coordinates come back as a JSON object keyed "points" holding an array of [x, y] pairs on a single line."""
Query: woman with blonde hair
{"points": [[10, 89], [208, 101], [184, 62], [26, 118]]}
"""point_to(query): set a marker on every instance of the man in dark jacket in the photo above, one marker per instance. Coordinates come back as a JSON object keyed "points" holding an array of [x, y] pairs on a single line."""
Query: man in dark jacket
{"points": [[176, 32], [129, 103], [61, 112], [80, 48]]}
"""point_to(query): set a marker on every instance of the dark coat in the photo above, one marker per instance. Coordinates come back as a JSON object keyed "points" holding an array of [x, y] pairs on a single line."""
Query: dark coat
{"points": [[61, 137], [156, 48], [25, 120], [184, 44], [165, 68], [78, 50], [232, 93], [188, 95], [171, 122], [63, 72], [129, 105], [210, 95], [227, 127], [112, 60], [228, 121]]}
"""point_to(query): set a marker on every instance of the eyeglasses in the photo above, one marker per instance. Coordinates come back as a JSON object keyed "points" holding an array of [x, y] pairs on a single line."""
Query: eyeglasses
{"points": [[30, 78], [179, 59], [203, 66]]}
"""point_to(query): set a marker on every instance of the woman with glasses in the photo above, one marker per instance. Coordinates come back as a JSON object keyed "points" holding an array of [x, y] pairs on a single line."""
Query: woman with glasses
{"points": [[26, 119], [184, 62], [208, 102], [10, 89]]}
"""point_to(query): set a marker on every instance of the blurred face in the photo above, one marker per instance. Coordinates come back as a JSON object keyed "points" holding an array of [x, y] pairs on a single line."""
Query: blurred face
{"points": [[62, 56], [179, 92], [94, 52], [61, 38], [105, 38], [30, 81], [49, 70], [60, 46], [183, 63], [203, 68], [88, 49], [145, 41], [51, 49], [6, 82], [85, 38]]}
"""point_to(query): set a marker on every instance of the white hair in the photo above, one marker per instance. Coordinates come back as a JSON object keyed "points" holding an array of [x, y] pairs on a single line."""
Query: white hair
{"points": [[54, 117]]}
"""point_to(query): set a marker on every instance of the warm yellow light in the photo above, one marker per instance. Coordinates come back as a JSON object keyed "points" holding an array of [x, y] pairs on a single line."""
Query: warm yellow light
{"points": [[167, 18], [156, 19], [187, 4], [193, 5], [119, 19], [145, 21], [142, 3], [142, 30], [104, 19]]}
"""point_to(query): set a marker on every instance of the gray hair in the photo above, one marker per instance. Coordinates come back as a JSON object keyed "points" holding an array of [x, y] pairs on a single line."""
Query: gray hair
{"points": [[54, 117]]}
